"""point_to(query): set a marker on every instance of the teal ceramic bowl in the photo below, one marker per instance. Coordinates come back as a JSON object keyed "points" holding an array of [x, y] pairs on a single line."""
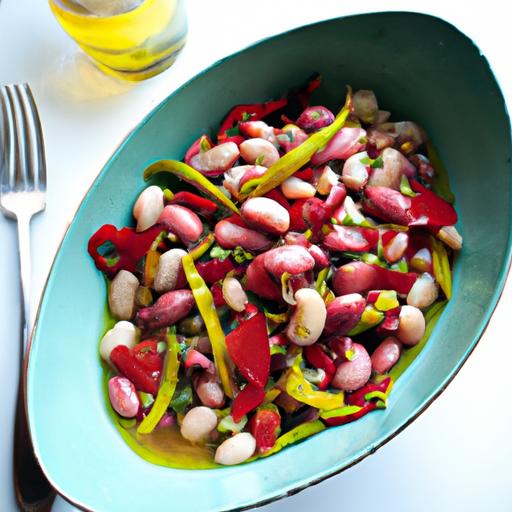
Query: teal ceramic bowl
{"points": [[422, 69]]}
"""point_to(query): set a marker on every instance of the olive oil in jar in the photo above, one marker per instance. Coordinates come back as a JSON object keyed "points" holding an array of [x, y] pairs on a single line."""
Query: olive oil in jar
{"points": [[132, 39]]}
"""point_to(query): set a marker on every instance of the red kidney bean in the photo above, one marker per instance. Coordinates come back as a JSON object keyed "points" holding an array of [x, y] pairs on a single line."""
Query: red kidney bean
{"points": [[183, 222], [386, 355], [230, 235], [320, 257], [343, 313], [351, 375], [387, 204], [351, 238], [314, 118], [167, 310], [293, 259], [354, 277], [258, 280], [123, 397]]}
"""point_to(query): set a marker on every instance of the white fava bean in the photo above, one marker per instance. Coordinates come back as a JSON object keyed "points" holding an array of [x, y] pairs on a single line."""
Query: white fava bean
{"points": [[234, 294], [355, 173], [123, 396], [220, 157], [423, 292], [259, 151], [327, 180], [295, 188], [121, 295], [148, 207], [308, 319], [167, 272], [451, 237], [198, 423], [123, 333], [236, 449], [411, 327]]}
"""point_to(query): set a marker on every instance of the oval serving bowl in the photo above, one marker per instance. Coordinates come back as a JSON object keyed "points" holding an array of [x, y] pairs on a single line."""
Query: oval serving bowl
{"points": [[422, 69]]}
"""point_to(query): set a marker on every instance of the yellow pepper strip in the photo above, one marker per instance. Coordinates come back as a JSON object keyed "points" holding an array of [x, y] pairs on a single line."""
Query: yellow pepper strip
{"points": [[202, 247], [271, 395], [167, 386], [150, 266], [278, 318], [371, 317], [409, 355], [441, 264], [204, 301], [296, 434], [297, 157], [342, 411], [190, 175], [387, 300], [300, 389]]}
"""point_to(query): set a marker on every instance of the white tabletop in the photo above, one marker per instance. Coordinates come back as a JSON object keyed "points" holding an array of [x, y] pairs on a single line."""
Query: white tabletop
{"points": [[457, 455]]}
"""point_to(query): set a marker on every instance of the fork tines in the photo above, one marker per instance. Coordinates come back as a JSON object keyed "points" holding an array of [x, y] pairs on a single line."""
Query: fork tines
{"points": [[22, 164]]}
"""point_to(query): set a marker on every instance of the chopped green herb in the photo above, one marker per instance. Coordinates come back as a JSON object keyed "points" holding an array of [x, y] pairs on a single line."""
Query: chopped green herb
{"points": [[259, 160], [219, 253], [405, 188]]}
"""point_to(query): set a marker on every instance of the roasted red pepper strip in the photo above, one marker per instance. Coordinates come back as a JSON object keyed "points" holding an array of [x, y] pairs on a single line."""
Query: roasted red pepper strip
{"points": [[249, 349], [347, 418], [213, 270], [428, 209], [305, 92], [124, 360], [201, 205], [248, 399], [297, 222], [256, 111], [130, 247], [358, 397], [147, 355], [393, 280], [316, 357], [265, 426]]}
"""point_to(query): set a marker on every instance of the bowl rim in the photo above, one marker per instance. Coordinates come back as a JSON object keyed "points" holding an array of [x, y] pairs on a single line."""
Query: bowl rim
{"points": [[496, 296]]}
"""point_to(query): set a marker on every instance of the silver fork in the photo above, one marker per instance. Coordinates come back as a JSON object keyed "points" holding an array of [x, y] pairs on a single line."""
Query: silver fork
{"points": [[22, 195]]}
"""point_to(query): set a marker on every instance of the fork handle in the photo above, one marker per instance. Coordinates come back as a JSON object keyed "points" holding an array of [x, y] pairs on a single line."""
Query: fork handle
{"points": [[25, 280], [33, 492]]}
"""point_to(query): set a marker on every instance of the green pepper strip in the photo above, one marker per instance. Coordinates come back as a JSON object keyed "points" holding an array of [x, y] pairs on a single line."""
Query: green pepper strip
{"points": [[190, 175], [371, 317], [202, 247], [167, 386], [300, 389], [204, 301], [296, 434], [441, 264], [320, 280], [297, 157], [440, 183], [432, 315], [342, 411]]}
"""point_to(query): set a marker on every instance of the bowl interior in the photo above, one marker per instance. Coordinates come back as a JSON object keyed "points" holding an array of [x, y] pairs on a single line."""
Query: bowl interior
{"points": [[421, 69]]}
